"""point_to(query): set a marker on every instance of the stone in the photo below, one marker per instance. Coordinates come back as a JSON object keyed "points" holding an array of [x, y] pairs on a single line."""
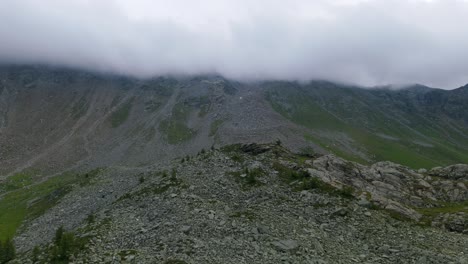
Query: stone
{"points": [[286, 245], [318, 246], [340, 212], [422, 171], [185, 229]]}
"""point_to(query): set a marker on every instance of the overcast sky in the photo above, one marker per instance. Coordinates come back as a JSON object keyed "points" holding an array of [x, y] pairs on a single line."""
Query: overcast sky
{"points": [[367, 42]]}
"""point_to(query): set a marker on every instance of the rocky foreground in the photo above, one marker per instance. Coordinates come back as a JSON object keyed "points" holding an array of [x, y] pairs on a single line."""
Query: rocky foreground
{"points": [[261, 204]]}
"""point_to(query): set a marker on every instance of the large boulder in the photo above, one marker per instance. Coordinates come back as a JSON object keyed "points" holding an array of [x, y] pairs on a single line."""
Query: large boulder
{"points": [[454, 172]]}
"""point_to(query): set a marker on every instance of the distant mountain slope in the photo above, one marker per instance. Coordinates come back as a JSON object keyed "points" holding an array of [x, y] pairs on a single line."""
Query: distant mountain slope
{"points": [[54, 119], [416, 126]]}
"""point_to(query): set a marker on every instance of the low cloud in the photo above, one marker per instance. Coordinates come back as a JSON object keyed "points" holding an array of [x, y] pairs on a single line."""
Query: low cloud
{"points": [[367, 42]]}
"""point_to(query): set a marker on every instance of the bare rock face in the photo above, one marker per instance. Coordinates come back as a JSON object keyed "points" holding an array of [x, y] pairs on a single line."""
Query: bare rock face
{"points": [[395, 187], [454, 172]]}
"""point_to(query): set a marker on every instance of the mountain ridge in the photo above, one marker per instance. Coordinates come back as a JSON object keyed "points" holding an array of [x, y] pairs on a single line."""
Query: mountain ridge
{"points": [[94, 113]]}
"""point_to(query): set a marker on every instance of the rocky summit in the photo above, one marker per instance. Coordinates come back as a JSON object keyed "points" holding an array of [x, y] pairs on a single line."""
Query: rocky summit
{"points": [[101, 168], [259, 204]]}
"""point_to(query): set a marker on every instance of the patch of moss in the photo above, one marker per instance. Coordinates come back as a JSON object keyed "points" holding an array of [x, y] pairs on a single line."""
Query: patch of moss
{"points": [[17, 181], [231, 148], [246, 214], [444, 208]]}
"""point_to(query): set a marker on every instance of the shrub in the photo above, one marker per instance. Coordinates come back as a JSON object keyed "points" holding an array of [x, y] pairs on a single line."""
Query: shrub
{"points": [[237, 157], [346, 192], [7, 251], [252, 175], [65, 245], [306, 182], [35, 254], [90, 219], [289, 175], [307, 152]]}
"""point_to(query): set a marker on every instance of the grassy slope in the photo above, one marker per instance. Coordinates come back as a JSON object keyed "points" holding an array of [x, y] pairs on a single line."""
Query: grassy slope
{"points": [[31, 201], [175, 127], [362, 119]]}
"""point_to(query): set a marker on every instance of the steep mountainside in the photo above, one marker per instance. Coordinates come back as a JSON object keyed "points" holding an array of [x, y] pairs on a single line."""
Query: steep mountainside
{"points": [[54, 119], [416, 126]]}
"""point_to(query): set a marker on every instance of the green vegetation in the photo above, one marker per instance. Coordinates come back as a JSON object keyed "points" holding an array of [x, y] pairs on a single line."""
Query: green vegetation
{"points": [[301, 180], [344, 125], [186, 158], [205, 105], [7, 250], [246, 214], [35, 254], [231, 148], [253, 175], [141, 179], [174, 261], [65, 245], [444, 208], [121, 115], [237, 157], [157, 188], [441, 208], [249, 177], [17, 181], [215, 126], [175, 127], [33, 200]]}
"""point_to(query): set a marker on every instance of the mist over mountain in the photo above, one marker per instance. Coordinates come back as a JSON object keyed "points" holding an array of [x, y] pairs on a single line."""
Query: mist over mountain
{"points": [[360, 42]]}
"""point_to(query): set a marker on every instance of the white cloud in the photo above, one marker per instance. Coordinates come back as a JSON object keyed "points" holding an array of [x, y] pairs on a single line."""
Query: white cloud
{"points": [[361, 41]]}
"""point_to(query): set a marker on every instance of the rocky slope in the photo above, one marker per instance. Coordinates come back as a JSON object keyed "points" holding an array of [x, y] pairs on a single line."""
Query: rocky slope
{"points": [[55, 119], [262, 204]]}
